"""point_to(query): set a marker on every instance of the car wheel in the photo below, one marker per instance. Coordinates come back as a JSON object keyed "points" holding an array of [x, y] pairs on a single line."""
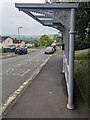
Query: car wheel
{"points": [[26, 52]]}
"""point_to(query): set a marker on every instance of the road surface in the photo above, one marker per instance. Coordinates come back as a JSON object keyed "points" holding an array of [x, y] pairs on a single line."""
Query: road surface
{"points": [[16, 70]]}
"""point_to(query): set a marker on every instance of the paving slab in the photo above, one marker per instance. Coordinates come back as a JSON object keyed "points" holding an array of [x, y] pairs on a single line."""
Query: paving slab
{"points": [[46, 96]]}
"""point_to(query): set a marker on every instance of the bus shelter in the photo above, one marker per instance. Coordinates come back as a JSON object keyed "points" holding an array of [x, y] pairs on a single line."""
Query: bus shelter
{"points": [[60, 16]]}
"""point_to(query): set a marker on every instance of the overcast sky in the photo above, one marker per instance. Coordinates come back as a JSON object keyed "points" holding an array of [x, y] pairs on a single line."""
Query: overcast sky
{"points": [[11, 19]]}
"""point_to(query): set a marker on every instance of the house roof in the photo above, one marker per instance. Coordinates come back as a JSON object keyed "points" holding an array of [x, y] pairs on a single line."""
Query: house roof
{"points": [[15, 41], [4, 37]]}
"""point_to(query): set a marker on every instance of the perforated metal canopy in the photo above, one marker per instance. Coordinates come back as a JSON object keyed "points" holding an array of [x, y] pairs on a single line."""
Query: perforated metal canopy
{"points": [[53, 15], [62, 17]]}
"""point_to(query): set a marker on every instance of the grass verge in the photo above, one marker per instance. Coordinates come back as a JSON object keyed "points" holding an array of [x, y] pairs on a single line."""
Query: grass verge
{"points": [[5, 54], [12, 53], [82, 54], [81, 73]]}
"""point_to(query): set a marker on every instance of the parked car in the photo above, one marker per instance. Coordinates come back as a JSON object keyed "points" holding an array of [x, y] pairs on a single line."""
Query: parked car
{"points": [[21, 50], [12, 48], [49, 50], [62, 47], [54, 46]]}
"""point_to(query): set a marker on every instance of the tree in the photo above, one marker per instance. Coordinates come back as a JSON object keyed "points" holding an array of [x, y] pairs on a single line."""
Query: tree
{"points": [[82, 21], [45, 40], [58, 38], [36, 43]]}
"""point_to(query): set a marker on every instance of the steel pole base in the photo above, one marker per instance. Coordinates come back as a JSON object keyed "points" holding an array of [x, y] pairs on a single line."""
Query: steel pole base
{"points": [[70, 107], [63, 71]]}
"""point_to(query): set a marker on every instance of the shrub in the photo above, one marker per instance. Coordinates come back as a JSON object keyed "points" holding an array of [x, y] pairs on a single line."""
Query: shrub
{"points": [[5, 50]]}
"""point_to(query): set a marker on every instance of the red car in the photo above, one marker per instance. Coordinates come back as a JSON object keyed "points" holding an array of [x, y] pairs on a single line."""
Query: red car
{"points": [[49, 50]]}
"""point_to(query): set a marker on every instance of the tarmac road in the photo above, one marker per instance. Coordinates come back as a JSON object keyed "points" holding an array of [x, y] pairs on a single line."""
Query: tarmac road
{"points": [[16, 70], [46, 96]]}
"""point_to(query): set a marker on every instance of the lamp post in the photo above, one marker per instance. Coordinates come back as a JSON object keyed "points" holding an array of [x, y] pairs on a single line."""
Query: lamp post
{"points": [[19, 33]]}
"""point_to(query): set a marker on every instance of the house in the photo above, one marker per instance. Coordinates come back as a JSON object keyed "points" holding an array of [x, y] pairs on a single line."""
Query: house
{"points": [[1, 45], [28, 44], [22, 43], [7, 41], [0, 42]]}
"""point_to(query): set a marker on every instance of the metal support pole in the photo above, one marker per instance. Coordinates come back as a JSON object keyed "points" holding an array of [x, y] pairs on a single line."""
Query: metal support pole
{"points": [[63, 64], [70, 104], [63, 70], [19, 33]]}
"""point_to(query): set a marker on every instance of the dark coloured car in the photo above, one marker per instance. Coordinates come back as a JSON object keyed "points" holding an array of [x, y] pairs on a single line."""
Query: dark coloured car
{"points": [[49, 50], [54, 47], [21, 50], [62, 47], [12, 48]]}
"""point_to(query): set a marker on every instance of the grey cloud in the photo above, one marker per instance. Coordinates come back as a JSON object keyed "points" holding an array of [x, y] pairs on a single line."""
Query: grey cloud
{"points": [[12, 19]]}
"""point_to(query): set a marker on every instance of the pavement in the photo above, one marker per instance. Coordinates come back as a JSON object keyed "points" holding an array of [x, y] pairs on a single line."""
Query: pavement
{"points": [[46, 96]]}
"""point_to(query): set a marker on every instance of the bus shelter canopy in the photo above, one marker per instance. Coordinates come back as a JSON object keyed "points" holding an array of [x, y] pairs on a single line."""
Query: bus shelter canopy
{"points": [[53, 15], [60, 16]]}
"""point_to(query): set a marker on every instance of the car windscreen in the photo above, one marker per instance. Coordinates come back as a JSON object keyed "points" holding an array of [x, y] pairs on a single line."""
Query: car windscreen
{"points": [[49, 48]]}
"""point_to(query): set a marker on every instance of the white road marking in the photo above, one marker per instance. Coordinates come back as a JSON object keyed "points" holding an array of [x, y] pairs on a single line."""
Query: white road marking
{"points": [[7, 71], [50, 92], [28, 64], [20, 72], [10, 70], [19, 64], [19, 92], [16, 72], [37, 60], [25, 72]]}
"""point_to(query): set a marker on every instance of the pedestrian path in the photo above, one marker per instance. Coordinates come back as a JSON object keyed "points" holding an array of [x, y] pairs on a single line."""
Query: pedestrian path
{"points": [[46, 96]]}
